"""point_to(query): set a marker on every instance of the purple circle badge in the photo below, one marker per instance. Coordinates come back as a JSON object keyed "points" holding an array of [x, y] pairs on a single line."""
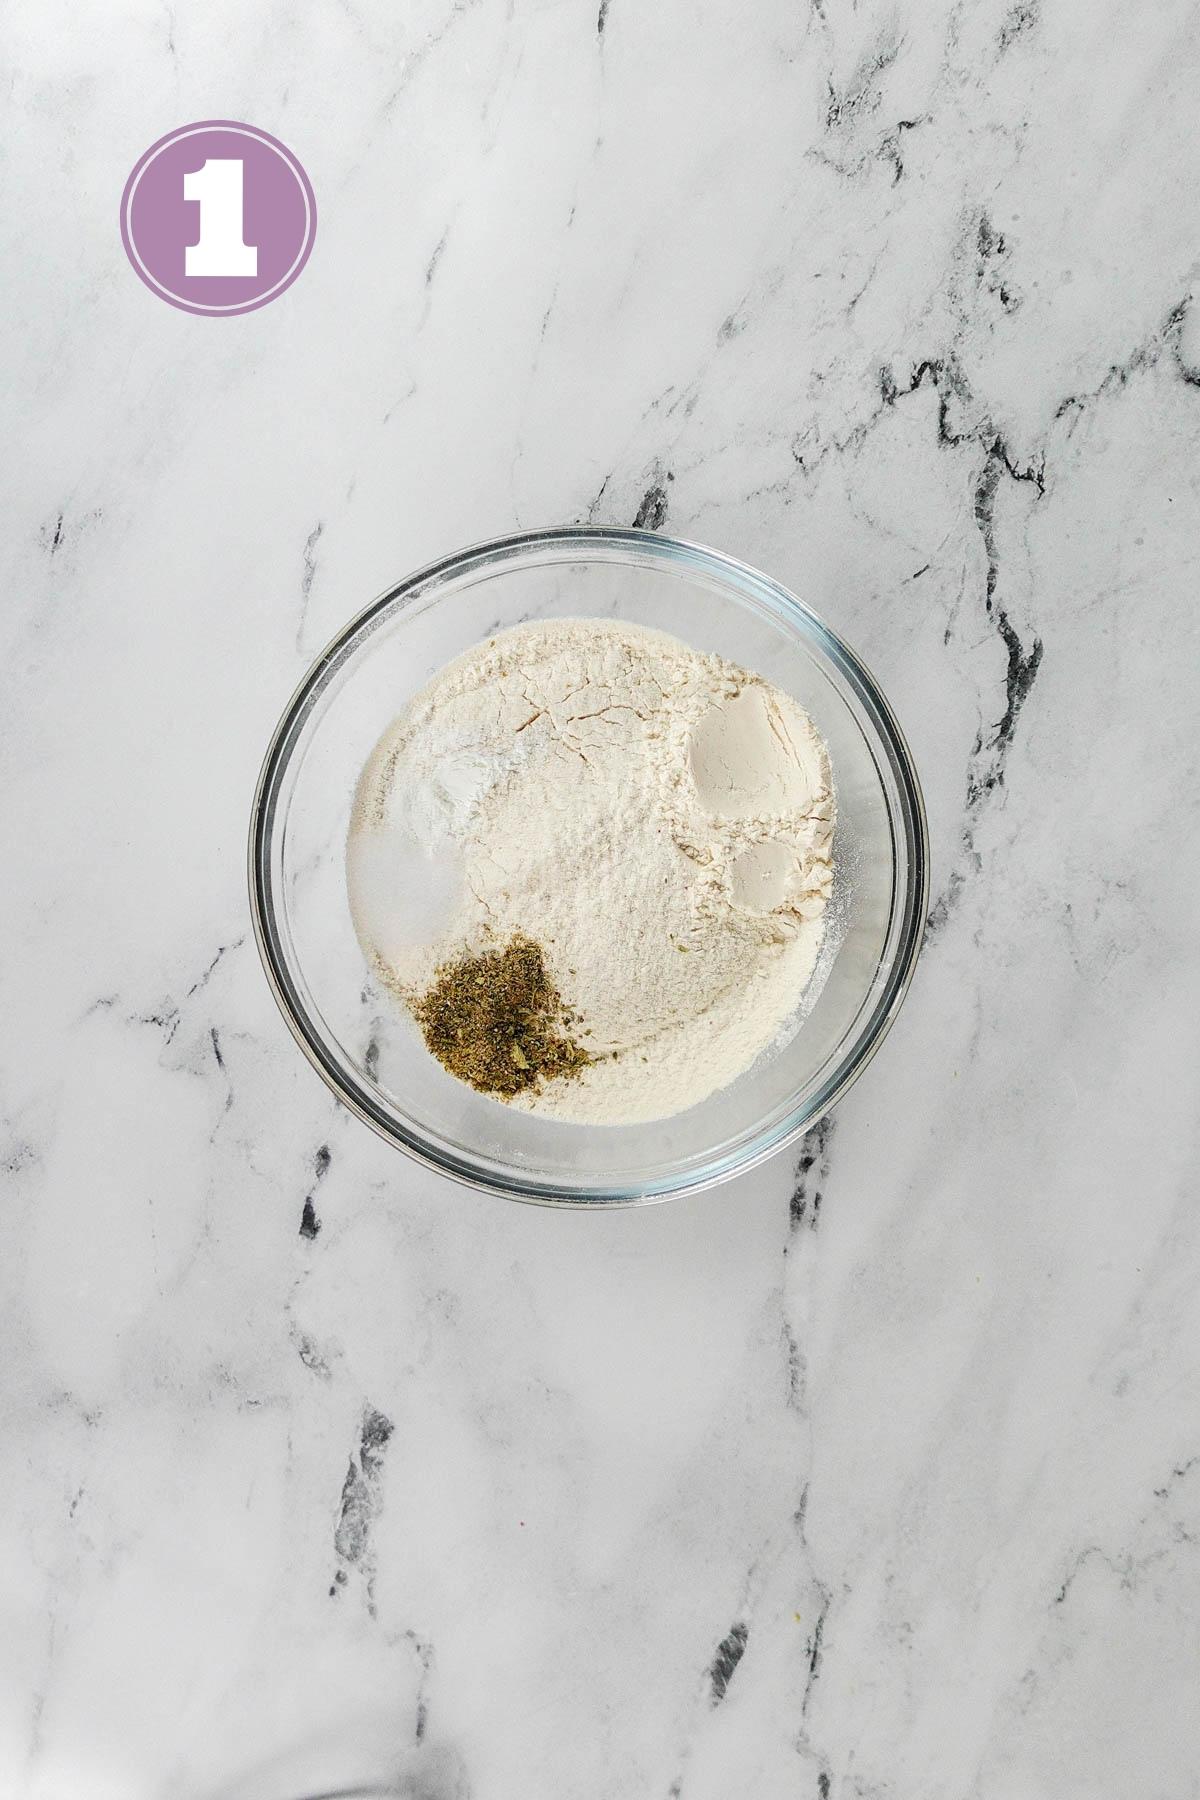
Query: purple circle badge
{"points": [[218, 217]]}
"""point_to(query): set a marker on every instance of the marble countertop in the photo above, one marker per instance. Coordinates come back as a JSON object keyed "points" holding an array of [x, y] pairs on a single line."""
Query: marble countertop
{"points": [[874, 1476]]}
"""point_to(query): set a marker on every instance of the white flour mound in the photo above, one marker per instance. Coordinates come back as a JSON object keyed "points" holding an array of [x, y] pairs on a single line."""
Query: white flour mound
{"points": [[659, 821]]}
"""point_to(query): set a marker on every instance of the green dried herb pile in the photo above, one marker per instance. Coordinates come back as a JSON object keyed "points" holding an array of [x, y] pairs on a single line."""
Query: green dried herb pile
{"points": [[496, 1020]]}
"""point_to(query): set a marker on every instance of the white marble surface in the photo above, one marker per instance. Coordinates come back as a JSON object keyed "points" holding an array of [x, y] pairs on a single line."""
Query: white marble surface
{"points": [[876, 1480]]}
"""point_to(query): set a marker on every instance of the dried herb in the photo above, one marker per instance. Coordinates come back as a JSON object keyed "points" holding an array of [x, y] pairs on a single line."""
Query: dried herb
{"points": [[496, 1020]]}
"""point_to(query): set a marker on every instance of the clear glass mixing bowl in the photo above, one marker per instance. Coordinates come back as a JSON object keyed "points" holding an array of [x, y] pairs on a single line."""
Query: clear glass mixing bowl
{"points": [[372, 1056]]}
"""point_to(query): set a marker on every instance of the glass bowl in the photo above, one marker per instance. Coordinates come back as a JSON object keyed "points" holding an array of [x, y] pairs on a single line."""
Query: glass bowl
{"points": [[362, 1043]]}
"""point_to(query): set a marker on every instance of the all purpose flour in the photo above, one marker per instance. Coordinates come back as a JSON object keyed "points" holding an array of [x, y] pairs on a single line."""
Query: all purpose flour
{"points": [[658, 821]]}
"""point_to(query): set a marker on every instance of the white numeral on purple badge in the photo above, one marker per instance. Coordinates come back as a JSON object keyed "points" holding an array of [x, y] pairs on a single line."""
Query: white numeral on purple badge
{"points": [[217, 185], [218, 217]]}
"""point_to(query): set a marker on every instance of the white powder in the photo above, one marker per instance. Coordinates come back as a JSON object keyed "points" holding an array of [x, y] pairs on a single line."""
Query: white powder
{"points": [[659, 821]]}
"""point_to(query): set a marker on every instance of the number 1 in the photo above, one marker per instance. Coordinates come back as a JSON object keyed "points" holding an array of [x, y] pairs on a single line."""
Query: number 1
{"points": [[217, 185]]}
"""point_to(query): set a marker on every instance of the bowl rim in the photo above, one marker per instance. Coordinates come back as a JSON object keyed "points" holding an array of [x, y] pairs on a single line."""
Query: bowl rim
{"points": [[730, 572]]}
